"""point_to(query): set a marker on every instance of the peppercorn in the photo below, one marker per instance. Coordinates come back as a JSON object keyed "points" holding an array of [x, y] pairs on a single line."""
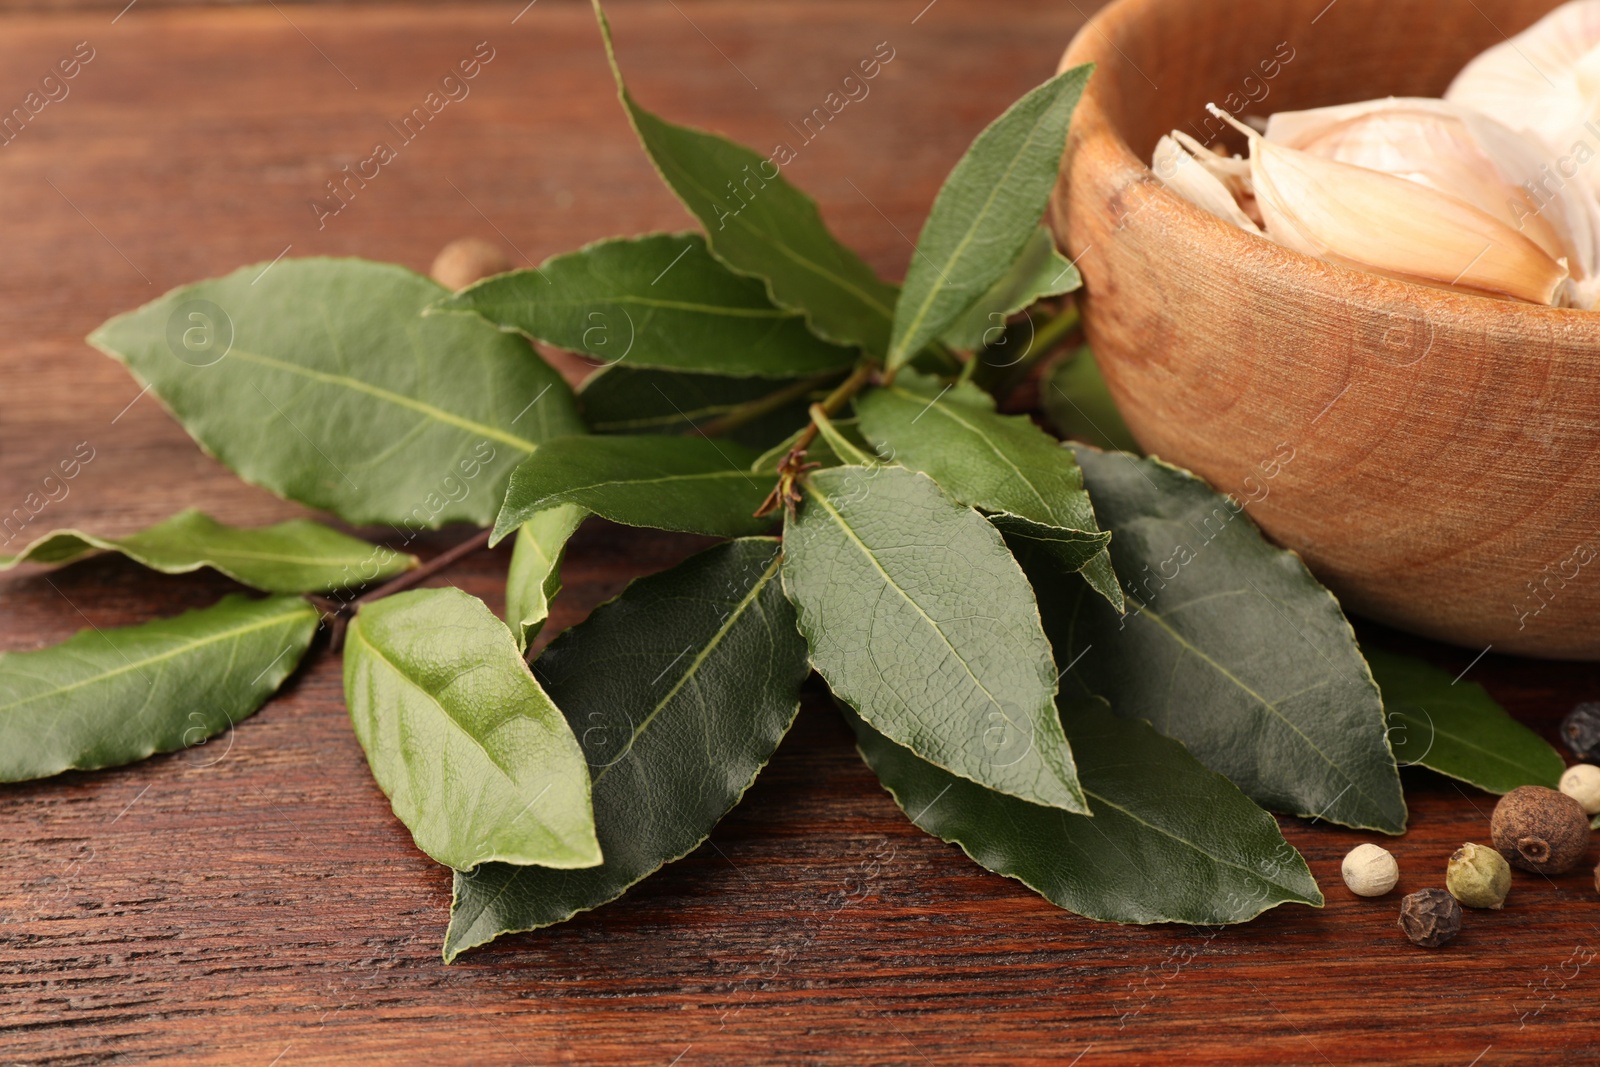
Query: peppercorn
{"points": [[1369, 871], [1540, 830], [1479, 877], [1581, 782], [1430, 917], [1581, 730]]}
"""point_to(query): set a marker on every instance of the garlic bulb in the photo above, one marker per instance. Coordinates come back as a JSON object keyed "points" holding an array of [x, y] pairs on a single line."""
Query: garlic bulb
{"points": [[1355, 216], [1545, 80], [1456, 151]]}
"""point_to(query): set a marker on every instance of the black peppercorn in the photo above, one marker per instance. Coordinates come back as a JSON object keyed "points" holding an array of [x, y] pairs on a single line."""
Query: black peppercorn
{"points": [[1581, 731], [1540, 829], [1430, 917]]}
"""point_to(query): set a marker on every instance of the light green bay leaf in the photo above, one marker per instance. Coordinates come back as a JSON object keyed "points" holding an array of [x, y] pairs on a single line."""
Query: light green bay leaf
{"points": [[1038, 272], [760, 225], [986, 213], [321, 380], [298, 556], [108, 697], [679, 691], [1079, 406], [534, 578], [919, 618], [475, 759], [658, 301], [1000, 463], [1457, 729], [1229, 645], [628, 400], [690, 484], [1168, 841]]}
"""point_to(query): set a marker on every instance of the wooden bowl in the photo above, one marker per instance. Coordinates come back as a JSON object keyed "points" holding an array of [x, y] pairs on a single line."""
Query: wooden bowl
{"points": [[1434, 457]]}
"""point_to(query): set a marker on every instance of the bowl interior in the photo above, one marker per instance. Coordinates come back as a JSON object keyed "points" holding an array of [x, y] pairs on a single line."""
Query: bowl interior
{"points": [[1254, 57]]}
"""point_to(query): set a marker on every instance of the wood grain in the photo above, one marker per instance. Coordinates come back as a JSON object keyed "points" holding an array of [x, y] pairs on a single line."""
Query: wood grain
{"points": [[252, 901], [1445, 473]]}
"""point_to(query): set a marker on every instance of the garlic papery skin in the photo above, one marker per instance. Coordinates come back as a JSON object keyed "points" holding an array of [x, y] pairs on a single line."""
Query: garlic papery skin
{"points": [[1545, 80], [1183, 168], [1454, 150], [1367, 220]]}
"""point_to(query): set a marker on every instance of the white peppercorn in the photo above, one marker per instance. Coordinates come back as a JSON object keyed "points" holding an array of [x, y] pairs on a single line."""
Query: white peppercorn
{"points": [[1370, 871], [1582, 783]]}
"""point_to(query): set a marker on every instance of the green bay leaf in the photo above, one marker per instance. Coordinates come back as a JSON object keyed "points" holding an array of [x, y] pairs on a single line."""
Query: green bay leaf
{"points": [[1229, 645], [321, 380], [659, 301], [629, 400], [1039, 271], [679, 691], [1169, 841], [534, 578], [760, 225], [1457, 729], [1000, 463], [690, 484], [108, 697], [475, 758], [298, 556], [986, 213], [919, 618]]}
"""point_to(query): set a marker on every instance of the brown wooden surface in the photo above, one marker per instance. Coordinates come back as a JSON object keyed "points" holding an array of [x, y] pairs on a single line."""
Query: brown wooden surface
{"points": [[252, 901], [1446, 447]]}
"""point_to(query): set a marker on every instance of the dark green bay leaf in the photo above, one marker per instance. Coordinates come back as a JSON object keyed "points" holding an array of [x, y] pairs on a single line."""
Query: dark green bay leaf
{"points": [[475, 759], [107, 697], [760, 225], [1072, 549], [679, 692], [321, 380], [986, 213], [1039, 271], [628, 400], [920, 619], [535, 575], [1079, 406], [1457, 729], [1000, 463], [691, 484], [1229, 645], [298, 556], [656, 301], [1169, 841]]}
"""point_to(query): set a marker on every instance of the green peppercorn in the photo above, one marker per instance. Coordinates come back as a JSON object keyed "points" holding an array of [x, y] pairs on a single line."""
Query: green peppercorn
{"points": [[1477, 876], [1430, 917]]}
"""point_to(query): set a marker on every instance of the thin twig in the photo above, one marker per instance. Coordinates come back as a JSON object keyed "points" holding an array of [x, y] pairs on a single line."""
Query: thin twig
{"points": [[337, 615], [754, 409]]}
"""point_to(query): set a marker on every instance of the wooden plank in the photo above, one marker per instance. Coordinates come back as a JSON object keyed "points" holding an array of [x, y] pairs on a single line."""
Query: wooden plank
{"points": [[253, 900]]}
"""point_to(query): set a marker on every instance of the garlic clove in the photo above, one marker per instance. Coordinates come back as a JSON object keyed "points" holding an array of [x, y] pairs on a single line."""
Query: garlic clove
{"points": [[1376, 222], [1545, 80], [1184, 169], [1459, 152]]}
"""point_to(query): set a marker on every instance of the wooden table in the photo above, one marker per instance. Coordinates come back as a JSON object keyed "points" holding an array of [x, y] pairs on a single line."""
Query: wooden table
{"points": [[252, 901]]}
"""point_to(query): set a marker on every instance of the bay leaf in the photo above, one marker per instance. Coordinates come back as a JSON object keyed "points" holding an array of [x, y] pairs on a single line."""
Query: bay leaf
{"points": [[1039, 271], [1169, 841], [1457, 729], [298, 556], [986, 213], [107, 697], [690, 484], [1079, 407], [679, 691], [762, 226], [476, 760], [634, 400], [659, 301], [320, 380], [534, 578], [1000, 463], [920, 619], [1229, 645]]}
